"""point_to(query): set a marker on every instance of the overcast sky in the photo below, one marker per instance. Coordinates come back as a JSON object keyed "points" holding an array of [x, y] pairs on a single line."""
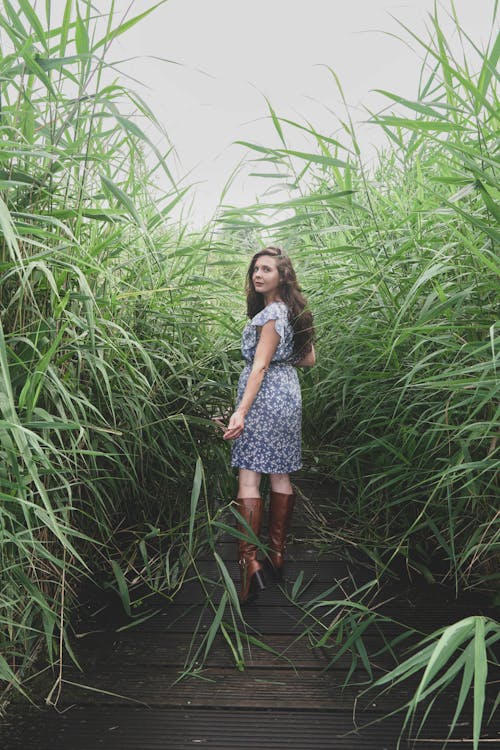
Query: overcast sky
{"points": [[233, 54]]}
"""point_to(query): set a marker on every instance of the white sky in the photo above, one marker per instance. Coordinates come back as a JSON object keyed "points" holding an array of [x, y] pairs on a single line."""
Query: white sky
{"points": [[234, 53]]}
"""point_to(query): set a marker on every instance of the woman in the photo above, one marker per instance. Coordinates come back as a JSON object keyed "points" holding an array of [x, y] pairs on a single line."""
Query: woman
{"points": [[266, 425]]}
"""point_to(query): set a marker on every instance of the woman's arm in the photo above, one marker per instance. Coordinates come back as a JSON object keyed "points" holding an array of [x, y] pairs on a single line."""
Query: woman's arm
{"points": [[268, 343], [309, 360]]}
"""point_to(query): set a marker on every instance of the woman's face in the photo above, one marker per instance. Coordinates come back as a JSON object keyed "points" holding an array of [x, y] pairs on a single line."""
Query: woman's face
{"points": [[265, 276]]}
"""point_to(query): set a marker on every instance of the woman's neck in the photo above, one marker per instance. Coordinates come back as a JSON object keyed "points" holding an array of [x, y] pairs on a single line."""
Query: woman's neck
{"points": [[271, 298]]}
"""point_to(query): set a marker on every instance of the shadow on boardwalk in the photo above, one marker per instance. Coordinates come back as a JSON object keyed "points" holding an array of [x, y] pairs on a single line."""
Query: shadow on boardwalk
{"points": [[127, 697]]}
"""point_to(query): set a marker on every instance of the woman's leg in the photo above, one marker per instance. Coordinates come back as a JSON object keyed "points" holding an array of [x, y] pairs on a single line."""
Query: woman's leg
{"points": [[248, 483], [280, 514], [281, 483], [250, 507]]}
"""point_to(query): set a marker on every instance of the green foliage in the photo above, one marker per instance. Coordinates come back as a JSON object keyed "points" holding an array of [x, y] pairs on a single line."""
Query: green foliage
{"points": [[111, 361], [400, 263], [465, 647], [118, 344]]}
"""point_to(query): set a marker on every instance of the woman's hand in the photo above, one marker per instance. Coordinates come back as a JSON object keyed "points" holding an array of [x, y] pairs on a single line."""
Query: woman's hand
{"points": [[235, 426]]}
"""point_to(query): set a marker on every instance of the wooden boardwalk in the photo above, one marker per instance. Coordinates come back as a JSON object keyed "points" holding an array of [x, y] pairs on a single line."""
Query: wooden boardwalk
{"points": [[128, 698]]}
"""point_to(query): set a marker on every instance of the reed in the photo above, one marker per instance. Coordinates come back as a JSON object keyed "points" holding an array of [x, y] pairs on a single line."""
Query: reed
{"points": [[402, 271], [119, 343], [401, 265], [107, 370]]}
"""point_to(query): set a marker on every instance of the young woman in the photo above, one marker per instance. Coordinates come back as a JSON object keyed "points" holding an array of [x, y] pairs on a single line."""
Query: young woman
{"points": [[266, 425]]}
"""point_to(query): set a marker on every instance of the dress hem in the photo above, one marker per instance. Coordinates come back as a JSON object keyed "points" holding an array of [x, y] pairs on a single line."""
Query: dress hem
{"points": [[266, 471]]}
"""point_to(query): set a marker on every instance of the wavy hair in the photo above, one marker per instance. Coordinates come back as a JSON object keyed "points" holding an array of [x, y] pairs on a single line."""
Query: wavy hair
{"points": [[300, 317]]}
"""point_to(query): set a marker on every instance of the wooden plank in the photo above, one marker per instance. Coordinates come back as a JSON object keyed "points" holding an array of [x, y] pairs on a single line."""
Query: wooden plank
{"points": [[228, 688], [268, 619], [137, 728], [185, 619], [269, 705], [216, 688], [131, 649], [111, 650], [425, 610], [194, 591], [131, 728]]}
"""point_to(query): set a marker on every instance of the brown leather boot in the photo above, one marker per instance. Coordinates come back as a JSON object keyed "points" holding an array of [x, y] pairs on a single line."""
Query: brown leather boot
{"points": [[252, 577], [280, 514]]}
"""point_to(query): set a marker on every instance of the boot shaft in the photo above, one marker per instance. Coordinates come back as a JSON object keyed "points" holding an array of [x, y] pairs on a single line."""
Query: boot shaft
{"points": [[250, 509], [280, 514]]}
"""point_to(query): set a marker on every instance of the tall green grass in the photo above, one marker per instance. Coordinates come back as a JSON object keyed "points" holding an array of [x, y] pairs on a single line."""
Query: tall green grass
{"points": [[107, 336], [119, 343], [401, 265]]}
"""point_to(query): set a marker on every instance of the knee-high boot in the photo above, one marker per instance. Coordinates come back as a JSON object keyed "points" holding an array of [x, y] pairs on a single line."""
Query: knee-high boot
{"points": [[252, 578], [280, 514]]}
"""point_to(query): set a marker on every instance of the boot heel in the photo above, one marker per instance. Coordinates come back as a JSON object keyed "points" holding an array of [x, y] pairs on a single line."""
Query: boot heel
{"points": [[258, 582], [256, 585]]}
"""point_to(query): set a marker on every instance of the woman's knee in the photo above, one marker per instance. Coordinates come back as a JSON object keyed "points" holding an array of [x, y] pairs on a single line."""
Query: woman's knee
{"points": [[248, 483]]}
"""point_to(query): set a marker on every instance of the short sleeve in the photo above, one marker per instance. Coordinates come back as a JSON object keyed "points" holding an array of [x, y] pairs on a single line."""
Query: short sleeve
{"points": [[275, 311]]}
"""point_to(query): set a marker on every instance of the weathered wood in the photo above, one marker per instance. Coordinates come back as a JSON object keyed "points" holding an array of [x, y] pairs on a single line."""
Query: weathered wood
{"points": [[262, 688], [112, 650], [109, 650], [193, 591], [276, 618], [136, 728], [276, 702]]}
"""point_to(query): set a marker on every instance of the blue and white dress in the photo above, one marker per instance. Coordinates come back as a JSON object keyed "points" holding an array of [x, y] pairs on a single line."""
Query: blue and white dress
{"points": [[271, 440]]}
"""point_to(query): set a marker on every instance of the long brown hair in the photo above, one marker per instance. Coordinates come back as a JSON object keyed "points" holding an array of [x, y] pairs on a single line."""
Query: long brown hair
{"points": [[291, 294]]}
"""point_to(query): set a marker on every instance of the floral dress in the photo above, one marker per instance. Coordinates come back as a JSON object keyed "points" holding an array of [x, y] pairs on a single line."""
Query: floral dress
{"points": [[271, 440]]}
